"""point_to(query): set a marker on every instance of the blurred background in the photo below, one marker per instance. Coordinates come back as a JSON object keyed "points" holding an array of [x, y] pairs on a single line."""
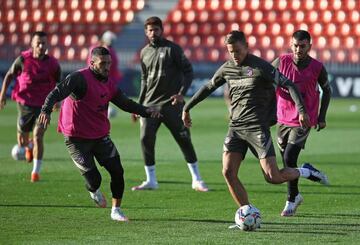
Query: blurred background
{"points": [[198, 26]]}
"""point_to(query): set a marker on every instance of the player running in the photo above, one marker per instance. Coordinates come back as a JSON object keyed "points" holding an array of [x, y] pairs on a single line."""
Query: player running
{"points": [[307, 74], [36, 75], [84, 123]]}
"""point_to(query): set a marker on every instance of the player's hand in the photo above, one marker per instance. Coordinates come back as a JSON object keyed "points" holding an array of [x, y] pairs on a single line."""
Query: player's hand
{"points": [[320, 125], [177, 99], [44, 119], [304, 120], [154, 113], [186, 119], [2, 101], [134, 117]]}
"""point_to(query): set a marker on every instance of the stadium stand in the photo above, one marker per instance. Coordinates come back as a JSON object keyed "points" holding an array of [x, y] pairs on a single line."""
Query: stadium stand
{"points": [[334, 25], [197, 25], [72, 26]]}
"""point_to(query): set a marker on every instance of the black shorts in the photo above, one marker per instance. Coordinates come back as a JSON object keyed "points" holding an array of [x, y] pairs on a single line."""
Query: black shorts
{"points": [[27, 117], [292, 135], [83, 151], [259, 141]]}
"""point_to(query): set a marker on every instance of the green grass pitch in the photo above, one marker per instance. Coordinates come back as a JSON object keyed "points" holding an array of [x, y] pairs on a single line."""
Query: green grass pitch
{"points": [[58, 210]]}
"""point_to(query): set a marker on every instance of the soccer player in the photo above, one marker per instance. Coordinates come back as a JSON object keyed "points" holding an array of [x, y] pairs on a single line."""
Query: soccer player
{"points": [[166, 76], [307, 74], [36, 75], [106, 41], [250, 80], [83, 122]]}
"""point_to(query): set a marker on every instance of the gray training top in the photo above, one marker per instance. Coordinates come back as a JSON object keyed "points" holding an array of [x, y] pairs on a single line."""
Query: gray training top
{"points": [[251, 91], [165, 72]]}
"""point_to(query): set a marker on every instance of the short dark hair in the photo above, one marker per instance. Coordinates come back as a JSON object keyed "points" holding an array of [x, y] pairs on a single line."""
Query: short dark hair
{"points": [[39, 34], [302, 35], [97, 51], [235, 36], [154, 20]]}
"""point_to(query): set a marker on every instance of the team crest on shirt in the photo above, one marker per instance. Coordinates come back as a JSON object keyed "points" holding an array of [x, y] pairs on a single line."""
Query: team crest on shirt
{"points": [[249, 71], [162, 55]]}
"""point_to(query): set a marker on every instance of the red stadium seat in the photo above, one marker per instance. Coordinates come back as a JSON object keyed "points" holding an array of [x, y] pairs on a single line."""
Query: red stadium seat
{"points": [[213, 55], [241, 5], [295, 5], [326, 16], [355, 16], [351, 4]]}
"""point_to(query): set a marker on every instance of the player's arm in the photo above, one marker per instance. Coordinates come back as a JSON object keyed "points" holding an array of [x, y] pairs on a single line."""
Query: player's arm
{"points": [[73, 84], [183, 64], [128, 105], [57, 77], [14, 70], [325, 99], [144, 75], [276, 63], [200, 95]]}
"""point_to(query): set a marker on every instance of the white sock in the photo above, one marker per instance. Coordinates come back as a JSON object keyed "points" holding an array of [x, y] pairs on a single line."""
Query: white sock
{"points": [[36, 165], [194, 171], [304, 172], [150, 174], [113, 209]]}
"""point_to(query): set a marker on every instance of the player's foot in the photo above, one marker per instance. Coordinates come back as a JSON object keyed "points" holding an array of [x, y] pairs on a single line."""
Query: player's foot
{"points": [[118, 215], [28, 154], [146, 186], [199, 185], [290, 207], [35, 177], [316, 175], [98, 198]]}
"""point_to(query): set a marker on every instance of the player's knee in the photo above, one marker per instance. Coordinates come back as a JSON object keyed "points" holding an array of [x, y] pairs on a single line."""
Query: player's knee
{"points": [[147, 140], [273, 177], [93, 179], [291, 155], [113, 166], [229, 174]]}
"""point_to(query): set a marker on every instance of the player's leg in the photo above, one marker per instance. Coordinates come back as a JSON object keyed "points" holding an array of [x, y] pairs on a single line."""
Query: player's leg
{"points": [[172, 120], [234, 152], [231, 164], [261, 145], [25, 123], [80, 151], [148, 130], [108, 156], [38, 151]]}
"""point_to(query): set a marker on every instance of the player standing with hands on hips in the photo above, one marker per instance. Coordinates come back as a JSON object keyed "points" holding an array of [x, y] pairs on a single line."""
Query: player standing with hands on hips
{"points": [[84, 123], [250, 80], [166, 75], [307, 74], [36, 75]]}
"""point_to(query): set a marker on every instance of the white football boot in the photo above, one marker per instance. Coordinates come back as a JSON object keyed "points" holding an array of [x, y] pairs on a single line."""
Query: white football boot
{"points": [[145, 185], [199, 185], [118, 215], [290, 207], [98, 198]]}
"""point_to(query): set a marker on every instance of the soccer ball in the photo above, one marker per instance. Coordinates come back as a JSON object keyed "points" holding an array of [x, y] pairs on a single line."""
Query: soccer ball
{"points": [[248, 218], [18, 152]]}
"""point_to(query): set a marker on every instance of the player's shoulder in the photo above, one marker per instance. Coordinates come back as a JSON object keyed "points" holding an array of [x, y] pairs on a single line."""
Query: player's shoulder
{"points": [[256, 60], [75, 75]]}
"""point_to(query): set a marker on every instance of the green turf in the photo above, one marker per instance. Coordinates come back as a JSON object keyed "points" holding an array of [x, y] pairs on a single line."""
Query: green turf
{"points": [[58, 210]]}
